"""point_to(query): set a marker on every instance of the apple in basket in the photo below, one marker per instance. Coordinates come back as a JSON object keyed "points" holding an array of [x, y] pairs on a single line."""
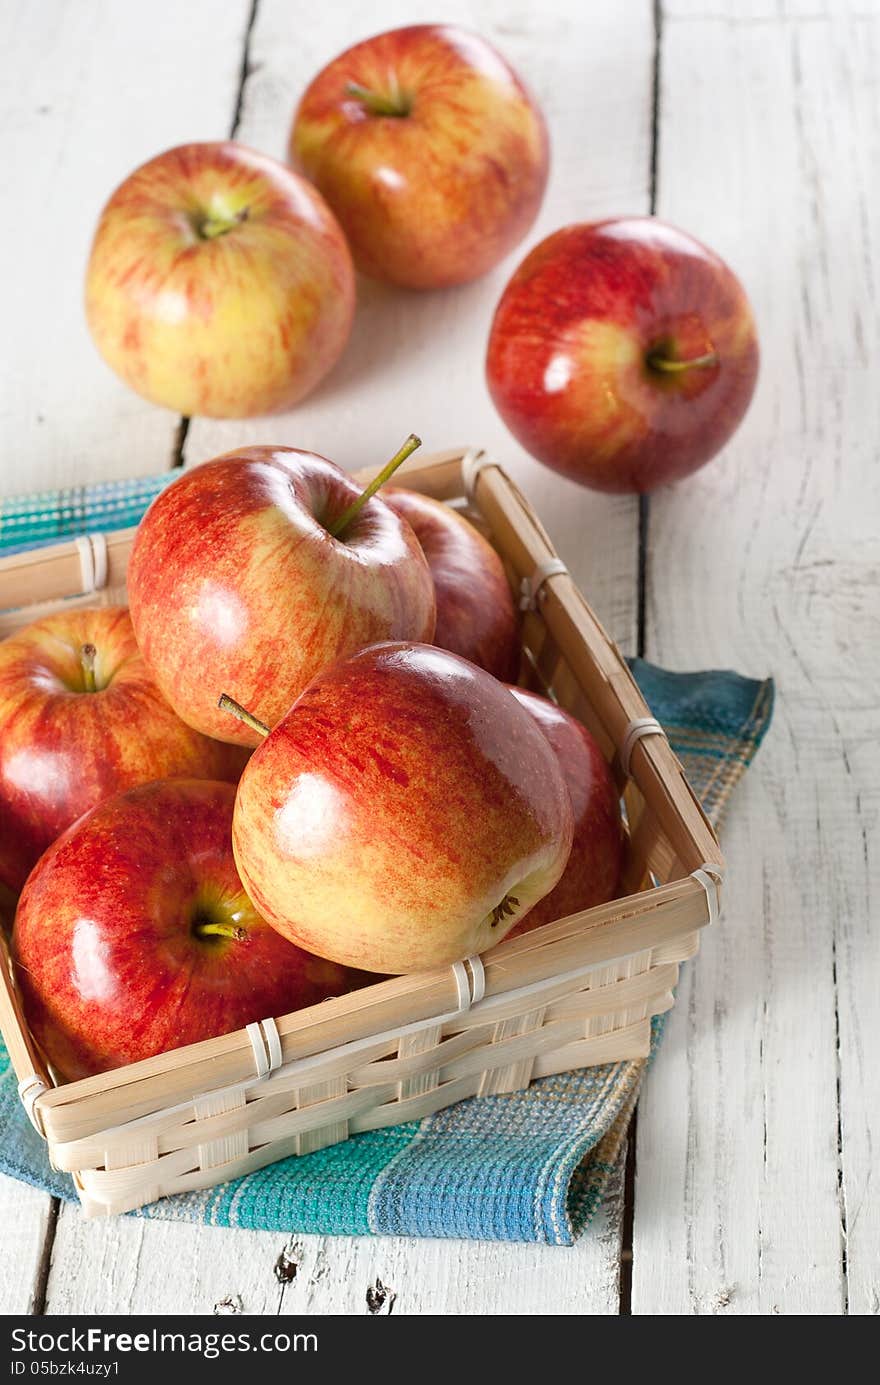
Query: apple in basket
{"points": [[593, 870], [430, 151], [219, 282], [134, 935], [80, 719], [623, 353], [404, 813], [252, 572], [476, 616]]}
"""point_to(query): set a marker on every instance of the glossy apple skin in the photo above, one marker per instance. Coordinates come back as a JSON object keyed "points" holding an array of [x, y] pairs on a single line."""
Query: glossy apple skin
{"points": [[403, 799], [106, 956], [240, 323], [476, 617], [235, 586], [567, 363], [63, 750], [592, 873], [437, 196]]}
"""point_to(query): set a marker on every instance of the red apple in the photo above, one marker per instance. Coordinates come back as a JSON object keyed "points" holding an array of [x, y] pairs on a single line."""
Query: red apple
{"points": [[237, 584], [403, 814], [593, 870], [430, 151], [134, 934], [623, 354], [80, 719], [219, 283], [476, 617]]}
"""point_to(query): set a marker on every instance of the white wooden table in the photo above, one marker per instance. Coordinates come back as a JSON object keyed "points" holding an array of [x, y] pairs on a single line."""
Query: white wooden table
{"points": [[756, 125]]}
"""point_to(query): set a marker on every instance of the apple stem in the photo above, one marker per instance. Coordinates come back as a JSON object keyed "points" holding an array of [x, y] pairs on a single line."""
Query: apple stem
{"points": [[87, 656], [341, 524], [207, 929], [229, 704], [673, 367], [394, 103], [210, 227]]}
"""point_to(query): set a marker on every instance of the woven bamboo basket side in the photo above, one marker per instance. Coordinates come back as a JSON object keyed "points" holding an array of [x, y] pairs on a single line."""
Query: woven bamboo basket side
{"points": [[317, 1043], [578, 991], [618, 996], [226, 1135], [229, 1136], [144, 1179]]}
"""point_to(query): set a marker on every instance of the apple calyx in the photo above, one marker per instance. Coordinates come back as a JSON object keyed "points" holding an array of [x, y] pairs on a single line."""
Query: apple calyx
{"points": [[87, 656], [505, 910], [393, 102], [670, 366], [229, 704], [338, 527]]}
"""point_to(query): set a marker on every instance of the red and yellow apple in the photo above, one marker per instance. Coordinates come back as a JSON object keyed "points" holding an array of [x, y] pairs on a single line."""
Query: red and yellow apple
{"points": [[134, 934], [593, 870], [219, 283], [476, 617], [623, 354], [80, 719], [430, 151], [237, 585], [404, 813]]}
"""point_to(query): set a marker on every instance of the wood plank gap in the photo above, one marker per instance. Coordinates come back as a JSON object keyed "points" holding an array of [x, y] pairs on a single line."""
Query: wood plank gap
{"points": [[41, 1285], [645, 500], [179, 444], [841, 1183], [245, 69], [629, 1178], [642, 597], [655, 104], [629, 1212]]}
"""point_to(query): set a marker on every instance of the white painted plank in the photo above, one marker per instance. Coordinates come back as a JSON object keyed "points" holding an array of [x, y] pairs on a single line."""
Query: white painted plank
{"points": [[25, 1214], [415, 361], [591, 69], [768, 561], [466, 1278], [127, 1266], [90, 90]]}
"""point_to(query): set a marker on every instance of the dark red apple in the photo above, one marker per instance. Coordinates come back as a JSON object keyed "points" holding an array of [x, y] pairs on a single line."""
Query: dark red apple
{"points": [[623, 354], [476, 616], [240, 583], [594, 865], [134, 935], [430, 151], [403, 814], [80, 719]]}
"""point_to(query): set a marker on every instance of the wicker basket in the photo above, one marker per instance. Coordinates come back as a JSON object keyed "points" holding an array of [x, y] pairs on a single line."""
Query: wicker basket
{"points": [[576, 992]]}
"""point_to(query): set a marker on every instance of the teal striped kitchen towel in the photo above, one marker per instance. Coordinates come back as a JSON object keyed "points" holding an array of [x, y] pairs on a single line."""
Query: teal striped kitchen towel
{"points": [[42, 517], [525, 1166]]}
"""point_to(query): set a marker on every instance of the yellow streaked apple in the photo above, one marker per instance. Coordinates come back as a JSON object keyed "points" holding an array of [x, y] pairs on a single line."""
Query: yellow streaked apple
{"points": [[404, 814], [430, 151], [219, 282]]}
